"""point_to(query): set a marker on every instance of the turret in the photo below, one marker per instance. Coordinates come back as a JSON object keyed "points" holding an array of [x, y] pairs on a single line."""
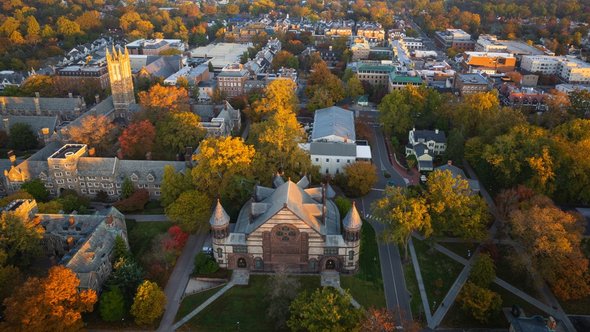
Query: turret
{"points": [[352, 224], [219, 222]]}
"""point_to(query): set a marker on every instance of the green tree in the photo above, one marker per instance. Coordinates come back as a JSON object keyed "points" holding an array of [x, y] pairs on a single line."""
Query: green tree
{"points": [[112, 305], [281, 291], [395, 114], [37, 189], [323, 310], [53, 206], [360, 178], [149, 303], [21, 137], [126, 276], [403, 212], [483, 270], [120, 249], [19, 239], [354, 88], [205, 264], [173, 184], [179, 130], [191, 211], [127, 188], [453, 207], [479, 302]]}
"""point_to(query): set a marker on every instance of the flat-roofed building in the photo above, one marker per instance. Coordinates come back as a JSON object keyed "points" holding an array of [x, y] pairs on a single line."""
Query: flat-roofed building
{"points": [[454, 38], [221, 54], [467, 84], [72, 77], [231, 80], [398, 81], [489, 62], [155, 46]]}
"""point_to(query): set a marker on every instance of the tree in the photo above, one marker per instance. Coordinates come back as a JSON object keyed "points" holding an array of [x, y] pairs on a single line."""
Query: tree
{"points": [[120, 249], [43, 84], [148, 304], [97, 131], [37, 189], [137, 139], [285, 59], [191, 211], [33, 30], [67, 28], [478, 301], [483, 270], [127, 188], [218, 161], [179, 130], [454, 209], [161, 100], [279, 96], [323, 88], [53, 303], [21, 137], [384, 320], [135, 202], [360, 177], [205, 264], [89, 20], [403, 213], [173, 184], [323, 310], [354, 88], [281, 291], [127, 275], [20, 239], [112, 305], [395, 114]]}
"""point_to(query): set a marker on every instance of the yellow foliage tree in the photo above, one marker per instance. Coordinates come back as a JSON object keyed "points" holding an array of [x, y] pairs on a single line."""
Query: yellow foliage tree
{"points": [[148, 304], [96, 131], [161, 100], [279, 96], [48, 304]]}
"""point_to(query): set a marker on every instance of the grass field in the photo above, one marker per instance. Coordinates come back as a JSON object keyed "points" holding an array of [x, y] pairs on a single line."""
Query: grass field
{"points": [[412, 286], [462, 249], [141, 234], [191, 302], [438, 272]]}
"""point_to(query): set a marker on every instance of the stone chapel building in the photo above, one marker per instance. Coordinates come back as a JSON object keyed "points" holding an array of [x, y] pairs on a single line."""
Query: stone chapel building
{"points": [[292, 226]]}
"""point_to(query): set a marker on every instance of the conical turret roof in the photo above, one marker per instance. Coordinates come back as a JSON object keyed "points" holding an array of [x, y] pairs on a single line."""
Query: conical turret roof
{"points": [[219, 217], [352, 221]]}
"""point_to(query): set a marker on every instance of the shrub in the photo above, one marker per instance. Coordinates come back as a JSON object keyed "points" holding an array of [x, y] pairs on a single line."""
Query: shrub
{"points": [[343, 205], [112, 305], [135, 202], [205, 264]]}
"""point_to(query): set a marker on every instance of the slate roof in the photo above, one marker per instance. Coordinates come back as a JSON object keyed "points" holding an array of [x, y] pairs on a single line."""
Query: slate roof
{"points": [[219, 216], [352, 221], [289, 195], [36, 122], [142, 168], [428, 135], [96, 166], [335, 121], [49, 104], [165, 66], [332, 149]]}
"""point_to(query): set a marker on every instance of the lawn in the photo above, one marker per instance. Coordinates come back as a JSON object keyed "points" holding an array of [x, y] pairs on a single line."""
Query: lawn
{"points": [[243, 305], [460, 248], [457, 317], [438, 272], [141, 234], [191, 302], [412, 286], [153, 207], [366, 286]]}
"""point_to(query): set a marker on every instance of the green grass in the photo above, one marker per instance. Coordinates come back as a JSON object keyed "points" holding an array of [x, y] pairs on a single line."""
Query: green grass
{"points": [[438, 272], [460, 248], [243, 304], [153, 207], [366, 286], [141, 234], [191, 302], [412, 286]]}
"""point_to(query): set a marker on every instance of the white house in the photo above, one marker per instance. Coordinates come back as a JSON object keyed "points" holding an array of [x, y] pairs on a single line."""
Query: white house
{"points": [[425, 145]]}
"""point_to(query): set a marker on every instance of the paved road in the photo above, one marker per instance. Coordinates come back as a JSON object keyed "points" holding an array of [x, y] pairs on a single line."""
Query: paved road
{"points": [[396, 294], [179, 279]]}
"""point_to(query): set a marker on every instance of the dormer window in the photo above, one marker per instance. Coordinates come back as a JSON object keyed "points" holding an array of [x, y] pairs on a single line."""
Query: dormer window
{"points": [[150, 178], [134, 177]]}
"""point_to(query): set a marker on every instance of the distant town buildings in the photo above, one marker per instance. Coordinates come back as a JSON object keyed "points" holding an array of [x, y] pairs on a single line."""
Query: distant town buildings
{"points": [[155, 46], [467, 84], [488, 62], [567, 68], [454, 38], [231, 80]]}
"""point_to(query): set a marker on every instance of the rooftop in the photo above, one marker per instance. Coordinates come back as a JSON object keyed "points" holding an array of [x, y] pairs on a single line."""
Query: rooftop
{"points": [[333, 121]]}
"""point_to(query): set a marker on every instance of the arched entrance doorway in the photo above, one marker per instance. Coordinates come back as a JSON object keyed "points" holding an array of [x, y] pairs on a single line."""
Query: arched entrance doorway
{"points": [[242, 263], [330, 264]]}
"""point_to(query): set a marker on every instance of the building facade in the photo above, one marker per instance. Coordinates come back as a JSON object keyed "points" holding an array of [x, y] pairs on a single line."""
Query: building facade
{"points": [[569, 69], [119, 69], [290, 227], [231, 80], [455, 38], [425, 145], [466, 84]]}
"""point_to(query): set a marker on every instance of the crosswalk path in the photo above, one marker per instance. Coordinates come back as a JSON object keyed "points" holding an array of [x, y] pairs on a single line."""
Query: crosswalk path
{"points": [[372, 217]]}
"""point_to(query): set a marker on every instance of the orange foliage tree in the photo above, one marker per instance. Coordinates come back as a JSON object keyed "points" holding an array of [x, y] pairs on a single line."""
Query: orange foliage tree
{"points": [[137, 139], [95, 131], [386, 320], [52, 303], [160, 100]]}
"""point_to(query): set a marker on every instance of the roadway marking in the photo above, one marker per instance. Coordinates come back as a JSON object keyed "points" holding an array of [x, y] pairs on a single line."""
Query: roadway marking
{"points": [[377, 189]]}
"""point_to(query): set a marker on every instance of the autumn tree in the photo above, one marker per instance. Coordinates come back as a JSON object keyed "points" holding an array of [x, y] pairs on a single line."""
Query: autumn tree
{"points": [[53, 303], [551, 239], [354, 88], [20, 239], [97, 131], [384, 320], [323, 310], [191, 211], [149, 303], [112, 305], [453, 207], [67, 28], [359, 178], [285, 59], [403, 212], [137, 139], [179, 130], [43, 84], [479, 302], [218, 161], [161, 100], [278, 96], [173, 184], [324, 89], [483, 270]]}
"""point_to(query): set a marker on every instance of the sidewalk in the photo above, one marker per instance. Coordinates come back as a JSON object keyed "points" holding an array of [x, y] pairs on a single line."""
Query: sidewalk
{"points": [[421, 287]]}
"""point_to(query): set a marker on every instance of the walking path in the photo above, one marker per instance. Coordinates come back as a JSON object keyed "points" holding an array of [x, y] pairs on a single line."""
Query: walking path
{"points": [[332, 279], [179, 279], [202, 306], [421, 287]]}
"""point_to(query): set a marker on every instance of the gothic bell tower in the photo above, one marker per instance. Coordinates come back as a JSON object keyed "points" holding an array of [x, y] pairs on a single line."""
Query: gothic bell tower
{"points": [[119, 67]]}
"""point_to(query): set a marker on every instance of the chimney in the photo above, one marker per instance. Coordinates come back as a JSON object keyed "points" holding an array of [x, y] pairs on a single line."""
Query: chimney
{"points": [[148, 155], [12, 157], [97, 98], [324, 208], [37, 105], [449, 162], [436, 131], [70, 95], [6, 124], [72, 221]]}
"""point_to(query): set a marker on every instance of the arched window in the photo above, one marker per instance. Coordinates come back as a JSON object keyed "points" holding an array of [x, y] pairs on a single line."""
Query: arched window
{"points": [[351, 255], [219, 253]]}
